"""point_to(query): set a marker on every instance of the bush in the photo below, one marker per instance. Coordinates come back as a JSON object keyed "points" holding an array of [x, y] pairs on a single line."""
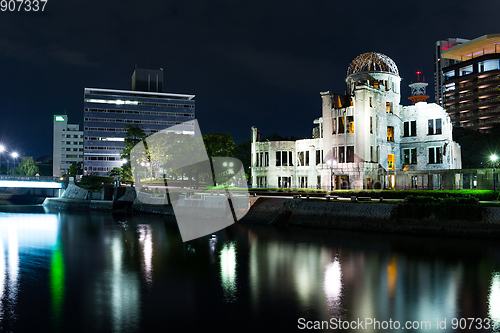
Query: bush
{"points": [[482, 195], [448, 208], [95, 183]]}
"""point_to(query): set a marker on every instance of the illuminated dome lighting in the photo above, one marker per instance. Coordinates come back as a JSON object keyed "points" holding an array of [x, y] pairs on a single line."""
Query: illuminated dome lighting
{"points": [[372, 62]]}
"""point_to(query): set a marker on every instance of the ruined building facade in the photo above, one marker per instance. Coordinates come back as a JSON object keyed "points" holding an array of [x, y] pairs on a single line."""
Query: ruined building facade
{"points": [[364, 139]]}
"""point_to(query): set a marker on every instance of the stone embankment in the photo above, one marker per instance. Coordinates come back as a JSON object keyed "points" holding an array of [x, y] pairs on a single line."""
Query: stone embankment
{"points": [[356, 216], [366, 217]]}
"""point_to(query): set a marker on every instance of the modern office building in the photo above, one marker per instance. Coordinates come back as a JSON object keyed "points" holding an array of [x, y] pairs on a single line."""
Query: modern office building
{"points": [[108, 111], [440, 62], [67, 145], [364, 139], [472, 86]]}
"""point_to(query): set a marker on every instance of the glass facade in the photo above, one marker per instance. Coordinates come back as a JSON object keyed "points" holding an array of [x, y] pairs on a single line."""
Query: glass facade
{"points": [[107, 112]]}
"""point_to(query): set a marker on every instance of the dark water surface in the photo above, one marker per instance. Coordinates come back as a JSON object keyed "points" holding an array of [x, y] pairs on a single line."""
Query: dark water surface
{"points": [[98, 272]]}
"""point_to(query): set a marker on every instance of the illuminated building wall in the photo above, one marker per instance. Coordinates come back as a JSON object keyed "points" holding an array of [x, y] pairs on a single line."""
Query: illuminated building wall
{"points": [[67, 145], [364, 138], [472, 84], [107, 112]]}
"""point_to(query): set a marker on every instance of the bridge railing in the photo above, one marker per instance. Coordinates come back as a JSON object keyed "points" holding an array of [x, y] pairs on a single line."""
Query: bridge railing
{"points": [[33, 178]]}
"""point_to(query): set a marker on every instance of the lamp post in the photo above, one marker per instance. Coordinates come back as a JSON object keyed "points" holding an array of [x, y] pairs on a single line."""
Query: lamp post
{"points": [[15, 155], [494, 159]]}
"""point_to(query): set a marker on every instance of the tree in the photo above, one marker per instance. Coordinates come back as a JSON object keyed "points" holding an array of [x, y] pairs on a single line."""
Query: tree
{"points": [[476, 146], [220, 144], [27, 167], [75, 169], [116, 172], [134, 134]]}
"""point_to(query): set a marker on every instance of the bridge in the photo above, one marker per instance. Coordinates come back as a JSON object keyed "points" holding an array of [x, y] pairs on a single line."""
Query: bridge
{"points": [[31, 185]]}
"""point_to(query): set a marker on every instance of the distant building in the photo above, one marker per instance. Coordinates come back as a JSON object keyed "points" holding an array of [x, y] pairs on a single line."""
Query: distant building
{"points": [[472, 86], [108, 111], [440, 62], [364, 139], [67, 145]]}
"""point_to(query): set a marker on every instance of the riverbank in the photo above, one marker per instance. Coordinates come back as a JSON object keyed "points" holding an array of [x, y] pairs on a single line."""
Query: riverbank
{"points": [[337, 214], [379, 217]]}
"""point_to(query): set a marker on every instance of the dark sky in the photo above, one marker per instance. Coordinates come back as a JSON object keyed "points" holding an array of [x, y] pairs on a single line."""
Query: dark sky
{"points": [[253, 63]]}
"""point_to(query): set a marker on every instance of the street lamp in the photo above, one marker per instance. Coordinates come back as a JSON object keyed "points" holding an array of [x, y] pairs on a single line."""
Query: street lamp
{"points": [[494, 159], [15, 155]]}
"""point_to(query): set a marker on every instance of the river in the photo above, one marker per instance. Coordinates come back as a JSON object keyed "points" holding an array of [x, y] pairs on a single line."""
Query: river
{"points": [[99, 272]]}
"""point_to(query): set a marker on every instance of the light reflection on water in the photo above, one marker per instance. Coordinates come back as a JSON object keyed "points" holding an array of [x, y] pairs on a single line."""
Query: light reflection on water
{"points": [[228, 271], [104, 273]]}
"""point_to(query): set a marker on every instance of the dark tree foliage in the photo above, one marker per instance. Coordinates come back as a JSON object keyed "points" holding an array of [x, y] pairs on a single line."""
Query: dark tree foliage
{"points": [[277, 137], [477, 147]]}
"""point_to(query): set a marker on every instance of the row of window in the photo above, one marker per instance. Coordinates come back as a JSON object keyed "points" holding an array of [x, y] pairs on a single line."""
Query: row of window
{"points": [[120, 102], [435, 155], [152, 122], [409, 127], [97, 169], [72, 149], [102, 158], [134, 121], [343, 155], [434, 127], [144, 113], [69, 136], [103, 148], [482, 66], [74, 143]]}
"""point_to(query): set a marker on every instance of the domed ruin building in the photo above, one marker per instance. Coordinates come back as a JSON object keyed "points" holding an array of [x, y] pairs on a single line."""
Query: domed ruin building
{"points": [[365, 139]]}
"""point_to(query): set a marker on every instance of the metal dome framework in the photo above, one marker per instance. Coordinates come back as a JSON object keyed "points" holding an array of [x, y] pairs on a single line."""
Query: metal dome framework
{"points": [[372, 62]]}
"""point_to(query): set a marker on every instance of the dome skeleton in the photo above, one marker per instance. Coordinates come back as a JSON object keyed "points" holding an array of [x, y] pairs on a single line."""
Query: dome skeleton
{"points": [[372, 62]]}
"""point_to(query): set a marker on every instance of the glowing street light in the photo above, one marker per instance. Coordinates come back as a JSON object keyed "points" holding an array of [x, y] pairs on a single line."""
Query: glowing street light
{"points": [[14, 155], [494, 159]]}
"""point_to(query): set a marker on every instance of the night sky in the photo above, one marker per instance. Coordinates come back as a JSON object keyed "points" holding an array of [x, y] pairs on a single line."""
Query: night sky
{"points": [[252, 63]]}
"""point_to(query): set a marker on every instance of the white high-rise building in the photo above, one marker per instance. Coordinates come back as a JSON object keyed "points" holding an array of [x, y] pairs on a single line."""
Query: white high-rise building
{"points": [[67, 145]]}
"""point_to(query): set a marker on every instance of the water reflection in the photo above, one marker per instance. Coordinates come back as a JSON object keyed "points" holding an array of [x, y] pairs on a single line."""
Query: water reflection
{"points": [[494, 298], [228, 271], [97, 272], [146, 240], [2, 276], [333, 285]]}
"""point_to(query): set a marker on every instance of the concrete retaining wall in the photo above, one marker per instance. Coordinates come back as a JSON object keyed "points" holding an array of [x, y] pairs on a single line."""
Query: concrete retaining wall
{"points": [[76, 204], [378, 217], [75, 192]]}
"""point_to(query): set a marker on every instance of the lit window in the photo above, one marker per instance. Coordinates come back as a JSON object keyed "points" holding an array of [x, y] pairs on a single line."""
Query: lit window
{"points": [[465, 70], [488, 65], [449, 75], [390, 133], [388, 107], [350, 124]]}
